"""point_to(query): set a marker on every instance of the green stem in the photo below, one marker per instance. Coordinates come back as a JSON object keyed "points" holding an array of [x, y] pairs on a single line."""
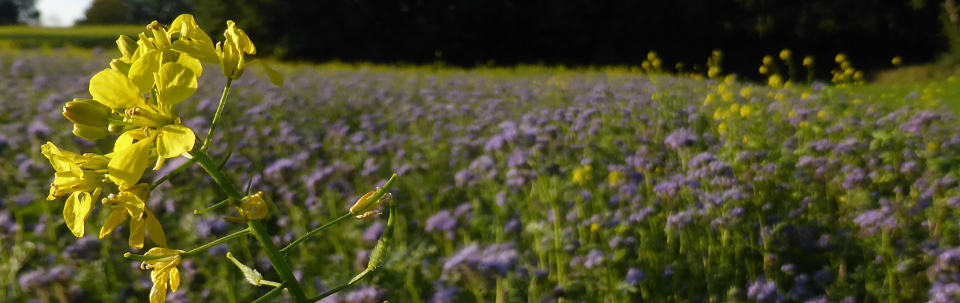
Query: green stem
{"points": [[256, 227], [314, 232], [334, 290], [270, 294], [172, 173], [216, 242], [212, 207], [216, 116]]}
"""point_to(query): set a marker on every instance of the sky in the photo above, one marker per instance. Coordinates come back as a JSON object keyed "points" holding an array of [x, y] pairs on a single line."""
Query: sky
{"points": [[61, 12]]}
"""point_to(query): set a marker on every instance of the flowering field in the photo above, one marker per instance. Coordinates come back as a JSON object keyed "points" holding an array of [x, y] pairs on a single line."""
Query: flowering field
{"points": [[516, 185]]}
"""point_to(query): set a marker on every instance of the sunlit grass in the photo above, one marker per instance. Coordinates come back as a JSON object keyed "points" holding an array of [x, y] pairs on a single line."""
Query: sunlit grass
{"points": [[85, 36]]}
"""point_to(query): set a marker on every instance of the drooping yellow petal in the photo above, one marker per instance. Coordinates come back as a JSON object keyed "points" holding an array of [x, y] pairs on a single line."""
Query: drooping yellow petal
{"points": [[127, 165], [59, 159], [158, 294], [117, 217], [176, 83], [175, 140], [174, 279], [143, 70], [137, 232], [154, 230], [72, 212], [114, 90]]}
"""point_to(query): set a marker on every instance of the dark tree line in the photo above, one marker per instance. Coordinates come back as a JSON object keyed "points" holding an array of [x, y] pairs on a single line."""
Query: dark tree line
{"points": [[18, 12], [581, 32]]}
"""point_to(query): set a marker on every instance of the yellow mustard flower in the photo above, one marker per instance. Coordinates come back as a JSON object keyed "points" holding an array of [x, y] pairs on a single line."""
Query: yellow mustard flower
{"points": [[582, 174], [785, 54], [159, 123], [232, 50], [896, 61], [163, 272], [130, 203], [80, 176], [614, 178], [808, 61]]}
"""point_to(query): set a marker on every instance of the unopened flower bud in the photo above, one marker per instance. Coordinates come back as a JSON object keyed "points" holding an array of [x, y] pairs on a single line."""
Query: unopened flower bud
{"points": [[90, 133], [253, 207], [368, 203], [127, 47], [87, 112]]}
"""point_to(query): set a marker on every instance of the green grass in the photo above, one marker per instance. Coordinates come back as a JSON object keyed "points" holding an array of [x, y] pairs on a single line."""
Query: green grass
{"points": [[18, 36]]}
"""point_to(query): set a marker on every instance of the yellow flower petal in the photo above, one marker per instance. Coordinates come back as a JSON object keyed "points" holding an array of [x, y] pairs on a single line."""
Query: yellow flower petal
{"points": [[154, 230], [75, 210], [175, 140], [114, 90], [158, 294], [142, 71], [174, 279], [192, 63], [127, 165], [117, 217], [137, 232], [176, 83]]}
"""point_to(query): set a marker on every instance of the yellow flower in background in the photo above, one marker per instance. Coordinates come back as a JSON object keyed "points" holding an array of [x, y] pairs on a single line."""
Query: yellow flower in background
{"points": [[746, 92], [614, 178], [841, 57], [775, 81], [767, 60], [130, 203], [163, 272], [582, 174], [745, 111], [896, 61], [808, 61], [785, 54]]}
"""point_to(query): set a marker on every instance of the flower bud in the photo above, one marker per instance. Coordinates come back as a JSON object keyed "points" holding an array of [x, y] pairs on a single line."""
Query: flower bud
{"points": [[90, 133], [253, 207], [368, 203], [232, 51], [86, 112], [127, 47]]}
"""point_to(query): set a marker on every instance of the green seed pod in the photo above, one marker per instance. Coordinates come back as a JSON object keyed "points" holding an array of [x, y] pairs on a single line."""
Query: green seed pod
{"points": [[383, 245]]}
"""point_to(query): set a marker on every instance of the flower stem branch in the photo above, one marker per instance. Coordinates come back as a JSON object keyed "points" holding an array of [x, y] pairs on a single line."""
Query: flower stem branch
{"points": [[257, 228], [314, 232], [216, 116], [212, 207], [216, 242], [270, 294]]}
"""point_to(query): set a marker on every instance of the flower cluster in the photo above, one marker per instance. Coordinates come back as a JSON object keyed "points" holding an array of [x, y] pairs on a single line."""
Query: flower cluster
{"points": [[135, 99]]}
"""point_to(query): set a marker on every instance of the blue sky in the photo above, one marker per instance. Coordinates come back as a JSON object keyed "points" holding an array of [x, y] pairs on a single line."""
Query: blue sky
{"points": [[61, 12]]}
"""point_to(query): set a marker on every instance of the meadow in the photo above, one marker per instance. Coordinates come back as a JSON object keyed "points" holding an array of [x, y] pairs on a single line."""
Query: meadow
{"points": [[526, 184]]}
